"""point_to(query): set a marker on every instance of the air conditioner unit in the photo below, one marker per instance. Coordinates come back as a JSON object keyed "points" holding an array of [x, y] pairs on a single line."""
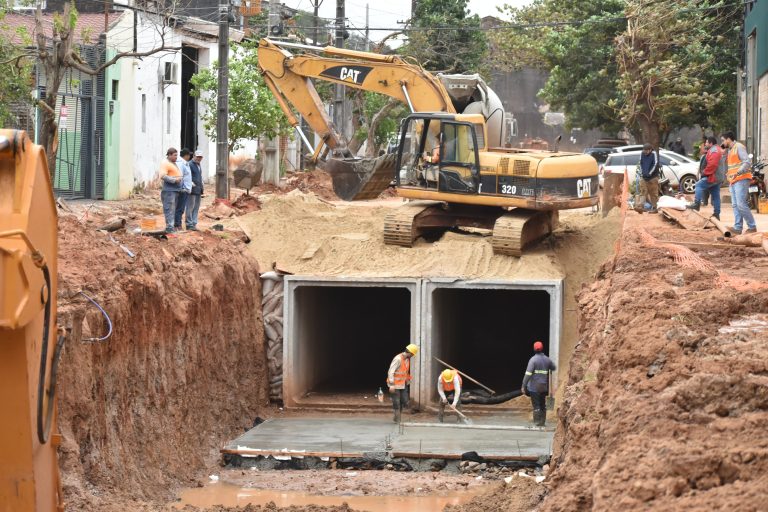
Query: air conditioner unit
{"points": [[170, 73]]}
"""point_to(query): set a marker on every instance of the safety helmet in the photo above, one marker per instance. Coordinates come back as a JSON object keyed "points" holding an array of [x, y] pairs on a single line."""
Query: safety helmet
{"points": [[413, 349], [538, 347], [447, 375]]}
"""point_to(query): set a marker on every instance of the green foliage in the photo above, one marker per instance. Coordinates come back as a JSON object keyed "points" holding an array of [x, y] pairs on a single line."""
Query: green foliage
{"points": [[579, 58], [674, 62], [253, 111], [15, 73], [649, 66], [458, 50], [386, 125]]}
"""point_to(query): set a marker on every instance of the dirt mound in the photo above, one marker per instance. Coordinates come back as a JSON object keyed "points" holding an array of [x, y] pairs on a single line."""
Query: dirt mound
{"points": [[666, 403], [246, 204], [184, 370], [520, 495], [316, 182]]}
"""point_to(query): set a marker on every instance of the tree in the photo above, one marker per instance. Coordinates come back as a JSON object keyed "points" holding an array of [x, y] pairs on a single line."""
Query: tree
{"points": [[253, 111], [671, 60], [579, 57], [55, 52], [15, 73], [443, 37]]}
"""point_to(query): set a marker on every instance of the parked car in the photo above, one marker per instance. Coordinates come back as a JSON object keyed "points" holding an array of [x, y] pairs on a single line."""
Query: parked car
{"points": [[599, 154], [609, 143], [682, 172], [625, 148]]}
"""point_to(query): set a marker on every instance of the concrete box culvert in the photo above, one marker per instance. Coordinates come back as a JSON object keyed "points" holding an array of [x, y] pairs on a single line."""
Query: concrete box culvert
{"points": [[340, 335], [487, 329]]}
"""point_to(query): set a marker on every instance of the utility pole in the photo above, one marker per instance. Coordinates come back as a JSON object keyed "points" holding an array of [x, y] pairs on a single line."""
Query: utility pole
{"points": [[316, 6], [338, 106], [222, 105], [367, 31]]}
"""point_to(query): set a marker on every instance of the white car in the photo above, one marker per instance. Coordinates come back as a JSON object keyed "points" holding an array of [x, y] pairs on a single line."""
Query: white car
{"points": [[682, 172]]}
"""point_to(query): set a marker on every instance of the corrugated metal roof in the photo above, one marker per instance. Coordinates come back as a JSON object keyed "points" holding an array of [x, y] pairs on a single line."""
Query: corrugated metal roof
{"points": [[89, 26]]}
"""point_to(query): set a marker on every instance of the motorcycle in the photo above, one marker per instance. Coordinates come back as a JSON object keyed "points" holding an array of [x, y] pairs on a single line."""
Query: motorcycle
{"points": [[757, 187]]}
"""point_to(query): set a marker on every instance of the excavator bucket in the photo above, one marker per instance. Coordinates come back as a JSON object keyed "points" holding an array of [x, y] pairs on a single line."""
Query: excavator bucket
{"points": [[355, 179]]}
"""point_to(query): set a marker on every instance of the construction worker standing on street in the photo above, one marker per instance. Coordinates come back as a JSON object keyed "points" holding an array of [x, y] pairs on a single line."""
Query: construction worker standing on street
{"points": [[399, 380], [449, 388], [536, 383]]}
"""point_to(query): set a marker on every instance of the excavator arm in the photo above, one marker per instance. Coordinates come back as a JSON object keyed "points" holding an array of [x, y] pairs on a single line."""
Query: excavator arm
{"points": [[289, 77], [29, 350]]}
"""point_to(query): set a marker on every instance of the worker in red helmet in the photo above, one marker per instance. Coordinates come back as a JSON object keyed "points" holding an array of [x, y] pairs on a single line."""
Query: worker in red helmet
{"points": [[536, 383]]}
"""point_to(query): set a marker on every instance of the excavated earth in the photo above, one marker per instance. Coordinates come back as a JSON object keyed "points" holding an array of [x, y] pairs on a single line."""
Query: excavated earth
{"points": [[665, 405]]}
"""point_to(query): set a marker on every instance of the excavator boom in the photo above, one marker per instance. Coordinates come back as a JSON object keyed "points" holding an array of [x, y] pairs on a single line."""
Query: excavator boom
{"points": [[29, 480]]}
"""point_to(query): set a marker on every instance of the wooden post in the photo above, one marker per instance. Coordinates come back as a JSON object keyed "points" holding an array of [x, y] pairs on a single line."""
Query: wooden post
{"points": [[612, 192]]}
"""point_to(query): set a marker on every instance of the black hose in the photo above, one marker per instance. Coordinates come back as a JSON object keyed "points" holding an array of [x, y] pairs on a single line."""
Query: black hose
{"points": [[44, 423]]}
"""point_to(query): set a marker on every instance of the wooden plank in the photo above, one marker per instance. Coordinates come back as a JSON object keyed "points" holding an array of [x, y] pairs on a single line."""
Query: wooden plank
{"points": [[613, 186], [687, 219], [456, 456], [278, 453]]}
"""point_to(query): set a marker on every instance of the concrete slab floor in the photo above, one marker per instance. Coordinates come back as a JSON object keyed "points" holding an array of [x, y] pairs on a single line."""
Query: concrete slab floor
{"points": [[324, 436]]}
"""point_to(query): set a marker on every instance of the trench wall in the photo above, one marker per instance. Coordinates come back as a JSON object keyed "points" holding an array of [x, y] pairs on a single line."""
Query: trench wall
{"points": [[184, 370]]}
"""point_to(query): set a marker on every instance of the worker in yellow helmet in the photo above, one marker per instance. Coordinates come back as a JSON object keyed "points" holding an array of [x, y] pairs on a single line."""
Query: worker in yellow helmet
{"points": [[399, 380], [449, 388]]}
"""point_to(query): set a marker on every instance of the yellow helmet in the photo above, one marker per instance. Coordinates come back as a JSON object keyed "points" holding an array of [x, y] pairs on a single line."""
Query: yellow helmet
{"points": [[413, 349], [447, 375]]}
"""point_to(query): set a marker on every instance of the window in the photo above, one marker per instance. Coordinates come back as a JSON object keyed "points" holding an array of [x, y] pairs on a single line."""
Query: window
{"points": [[115, 85], [632, 159], [458, 144], [615, 160], [665, 160], [168, 114], [143, 113]]}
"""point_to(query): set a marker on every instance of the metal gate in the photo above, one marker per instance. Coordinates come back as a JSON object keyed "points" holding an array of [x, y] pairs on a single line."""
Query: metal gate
{"points": [[79, 169]]}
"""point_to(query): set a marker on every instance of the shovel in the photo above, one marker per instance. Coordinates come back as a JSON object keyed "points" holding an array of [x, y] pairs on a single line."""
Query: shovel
{"points": [[464, 419], [550, 398]]}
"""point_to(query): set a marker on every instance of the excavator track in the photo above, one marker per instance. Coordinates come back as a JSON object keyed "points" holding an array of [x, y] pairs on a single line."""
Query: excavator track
{"points": [[401, 226], [520, 227]]}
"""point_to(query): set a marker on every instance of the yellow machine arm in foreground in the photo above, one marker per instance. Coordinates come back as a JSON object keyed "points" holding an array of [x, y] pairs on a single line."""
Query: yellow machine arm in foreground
{"points": [[29, 350]]}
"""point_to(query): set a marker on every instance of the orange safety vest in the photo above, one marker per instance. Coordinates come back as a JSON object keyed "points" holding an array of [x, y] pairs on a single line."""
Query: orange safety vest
{"points": [[734, 163], [448, 386], [403, 374]]}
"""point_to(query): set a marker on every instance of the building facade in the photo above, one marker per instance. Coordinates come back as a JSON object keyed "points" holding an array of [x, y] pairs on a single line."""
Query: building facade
{"points": [[753, 80]]}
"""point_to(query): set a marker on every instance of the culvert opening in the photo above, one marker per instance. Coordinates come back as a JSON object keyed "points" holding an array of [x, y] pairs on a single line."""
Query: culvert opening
{"points": [[488, 333], [341, 340]]}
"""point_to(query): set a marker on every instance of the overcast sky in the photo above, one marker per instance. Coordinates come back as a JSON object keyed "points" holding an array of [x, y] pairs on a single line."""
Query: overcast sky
{"points": [[386, 14]]}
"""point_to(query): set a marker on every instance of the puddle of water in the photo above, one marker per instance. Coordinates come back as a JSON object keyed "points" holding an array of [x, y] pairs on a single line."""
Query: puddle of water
{"points": [[231, 496], [755, 323]]}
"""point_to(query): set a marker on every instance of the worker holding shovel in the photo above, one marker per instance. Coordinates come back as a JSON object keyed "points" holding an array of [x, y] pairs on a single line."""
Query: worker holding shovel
{"points": [[399, 380], [449, 388], [536, 382]]}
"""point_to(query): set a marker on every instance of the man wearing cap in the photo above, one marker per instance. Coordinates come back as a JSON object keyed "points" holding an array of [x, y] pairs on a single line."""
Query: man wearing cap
{"points": [[193, 201], [449, 388], [678, 146], [536, 383], [399, 380], [186, 185]]}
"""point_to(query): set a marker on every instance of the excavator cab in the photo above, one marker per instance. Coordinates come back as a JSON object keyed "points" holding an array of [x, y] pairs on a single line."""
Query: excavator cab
{"points": [[446, 158]]}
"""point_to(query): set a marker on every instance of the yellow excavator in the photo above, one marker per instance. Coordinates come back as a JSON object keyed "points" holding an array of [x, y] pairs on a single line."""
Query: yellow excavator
{"points": [[30, 346], [451, 161]]}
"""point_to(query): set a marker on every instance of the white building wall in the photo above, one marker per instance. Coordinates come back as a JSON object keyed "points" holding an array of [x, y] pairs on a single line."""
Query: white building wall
{"points": [[762, 116], [151, 107]]}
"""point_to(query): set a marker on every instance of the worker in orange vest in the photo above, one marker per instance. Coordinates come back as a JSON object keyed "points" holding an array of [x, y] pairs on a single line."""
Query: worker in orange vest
{"points": [[399, 380], [449, 388], [739, 175]]}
